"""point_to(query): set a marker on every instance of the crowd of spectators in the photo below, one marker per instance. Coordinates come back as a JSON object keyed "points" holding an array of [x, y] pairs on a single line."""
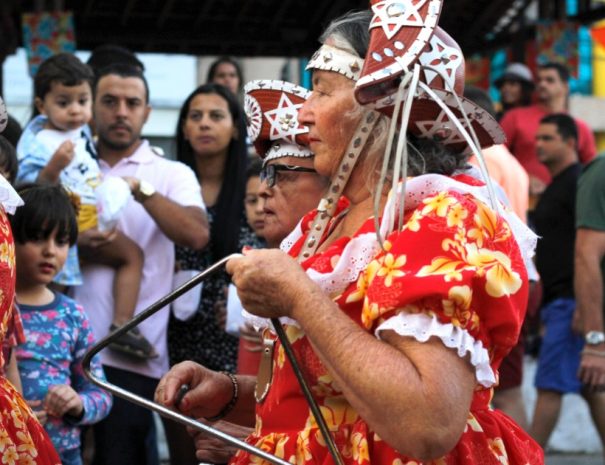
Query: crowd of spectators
{"points": [[78, 279]]}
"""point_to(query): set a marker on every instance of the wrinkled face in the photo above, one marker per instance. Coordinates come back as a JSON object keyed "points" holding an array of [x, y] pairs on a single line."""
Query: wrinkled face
{"points": [[511, 92], [550, 146], [294, 194], [67, 107], [226, 75], [38, 261], [550, 85], [120, 111], [254, 206], [332, 115], [208, 125]]}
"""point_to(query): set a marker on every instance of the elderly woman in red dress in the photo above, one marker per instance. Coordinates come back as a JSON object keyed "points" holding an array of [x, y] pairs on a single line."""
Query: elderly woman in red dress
{"points": [[22, 438], [405, 301]]}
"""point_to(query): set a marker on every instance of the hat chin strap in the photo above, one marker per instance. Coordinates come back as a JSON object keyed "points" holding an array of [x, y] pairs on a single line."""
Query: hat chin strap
{"points": [[327, 205]]}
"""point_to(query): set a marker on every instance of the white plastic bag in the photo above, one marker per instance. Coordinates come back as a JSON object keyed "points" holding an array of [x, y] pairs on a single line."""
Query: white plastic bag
{"points": [[112, 196], [186, 305], [235, 312]]}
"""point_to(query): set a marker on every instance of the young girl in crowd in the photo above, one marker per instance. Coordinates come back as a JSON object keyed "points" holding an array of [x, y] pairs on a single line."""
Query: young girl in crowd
{"points": [[253, 202], [57, 330], [56, 147]]}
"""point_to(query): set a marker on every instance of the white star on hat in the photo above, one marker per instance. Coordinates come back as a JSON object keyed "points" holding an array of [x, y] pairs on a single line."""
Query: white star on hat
{"points": [[284, 120], [392, 15], [441, 60], [442, 129]]}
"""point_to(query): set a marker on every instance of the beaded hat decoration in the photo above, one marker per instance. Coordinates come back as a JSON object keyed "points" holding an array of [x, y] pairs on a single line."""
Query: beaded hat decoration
{"points": [[271, 108], [328, 58]]}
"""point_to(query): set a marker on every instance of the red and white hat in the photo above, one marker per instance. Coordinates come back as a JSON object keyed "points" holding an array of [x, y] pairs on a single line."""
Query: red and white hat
{"points": [[271, 108], [403, 35]]}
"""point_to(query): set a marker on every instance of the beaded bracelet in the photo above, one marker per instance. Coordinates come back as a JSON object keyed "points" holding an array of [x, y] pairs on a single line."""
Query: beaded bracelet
{"points": [[598, 353], [227, 408]]}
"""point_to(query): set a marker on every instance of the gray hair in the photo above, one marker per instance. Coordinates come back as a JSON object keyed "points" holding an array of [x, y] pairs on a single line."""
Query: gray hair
{"points": [[350, 32]]}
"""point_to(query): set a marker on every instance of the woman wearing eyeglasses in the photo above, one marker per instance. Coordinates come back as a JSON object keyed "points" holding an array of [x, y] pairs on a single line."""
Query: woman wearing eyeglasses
{"points": [[211, 139], [401, 305]]}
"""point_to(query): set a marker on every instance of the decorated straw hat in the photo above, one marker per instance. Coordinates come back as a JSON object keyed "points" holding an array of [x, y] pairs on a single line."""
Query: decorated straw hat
{"points": [[272, 108]]}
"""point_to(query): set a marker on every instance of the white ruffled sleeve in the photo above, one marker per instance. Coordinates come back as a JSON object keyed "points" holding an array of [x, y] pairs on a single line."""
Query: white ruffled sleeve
{"points": [[9, 198], [421, 327]]}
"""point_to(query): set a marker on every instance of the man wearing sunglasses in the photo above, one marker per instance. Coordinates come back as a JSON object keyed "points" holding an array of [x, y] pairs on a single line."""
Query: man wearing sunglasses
{"points": [[521, 126]]}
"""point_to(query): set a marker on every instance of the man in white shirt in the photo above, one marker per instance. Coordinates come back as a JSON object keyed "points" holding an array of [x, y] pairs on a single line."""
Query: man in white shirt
{"points": [[167, 209]]}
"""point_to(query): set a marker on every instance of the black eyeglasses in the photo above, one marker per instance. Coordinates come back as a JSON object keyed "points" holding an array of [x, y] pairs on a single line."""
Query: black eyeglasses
{"points": [[269, 172]]}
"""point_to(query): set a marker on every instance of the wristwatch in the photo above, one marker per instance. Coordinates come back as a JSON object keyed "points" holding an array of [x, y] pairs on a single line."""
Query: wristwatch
{"points": [[594, 338], [146, 190]]}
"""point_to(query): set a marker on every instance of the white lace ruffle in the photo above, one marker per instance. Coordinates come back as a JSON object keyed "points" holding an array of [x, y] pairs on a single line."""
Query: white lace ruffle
{"points": [[420, 187], [354, 259], [9, 198], [421, 327], [259, 323], [361, 250]]}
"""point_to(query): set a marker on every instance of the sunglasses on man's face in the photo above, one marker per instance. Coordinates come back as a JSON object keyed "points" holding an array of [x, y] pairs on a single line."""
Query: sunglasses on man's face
{"points": [[269, 172]]}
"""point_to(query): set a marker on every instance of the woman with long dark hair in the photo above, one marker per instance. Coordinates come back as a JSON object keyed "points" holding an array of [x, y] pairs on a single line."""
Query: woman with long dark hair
{"points": [[211, 139]]}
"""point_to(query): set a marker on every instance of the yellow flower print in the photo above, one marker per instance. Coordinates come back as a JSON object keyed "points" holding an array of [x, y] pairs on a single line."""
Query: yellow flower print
{"points": [[370, 313], [456, 216], [4, 440], [496, 445], [457, 307], [390, 268], [27, 445], [443, 266], [438, 204], [359, 448], [10, 456], [501, 279], [413, 223], [17, 420], [303, 446], [337, 412], [26, 460], [364, 281], [473, 424]]}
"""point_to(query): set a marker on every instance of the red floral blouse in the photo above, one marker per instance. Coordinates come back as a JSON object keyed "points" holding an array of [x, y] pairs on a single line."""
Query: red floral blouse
{"points": [[23, 440], [455, 272]]}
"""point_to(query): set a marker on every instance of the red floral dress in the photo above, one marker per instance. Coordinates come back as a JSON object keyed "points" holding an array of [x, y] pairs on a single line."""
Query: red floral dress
{"points": [[23, 440], [455, 272]]}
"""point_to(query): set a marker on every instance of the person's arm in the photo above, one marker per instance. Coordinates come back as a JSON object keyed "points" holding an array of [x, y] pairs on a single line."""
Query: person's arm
{"points": [[184, 225], [396, 384], [96, 402], [588, 286], [61, 158], [209, 392]]}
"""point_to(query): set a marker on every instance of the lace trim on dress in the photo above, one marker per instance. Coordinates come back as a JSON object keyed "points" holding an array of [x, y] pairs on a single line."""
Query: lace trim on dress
{"points": [[9, 198], [361, 250], [421, 327]]}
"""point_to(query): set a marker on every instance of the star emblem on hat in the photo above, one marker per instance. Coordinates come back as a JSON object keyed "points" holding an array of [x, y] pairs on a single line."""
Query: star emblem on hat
{"points": [[284, 120], [441, 129], [392, 15], [441, 60]]}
